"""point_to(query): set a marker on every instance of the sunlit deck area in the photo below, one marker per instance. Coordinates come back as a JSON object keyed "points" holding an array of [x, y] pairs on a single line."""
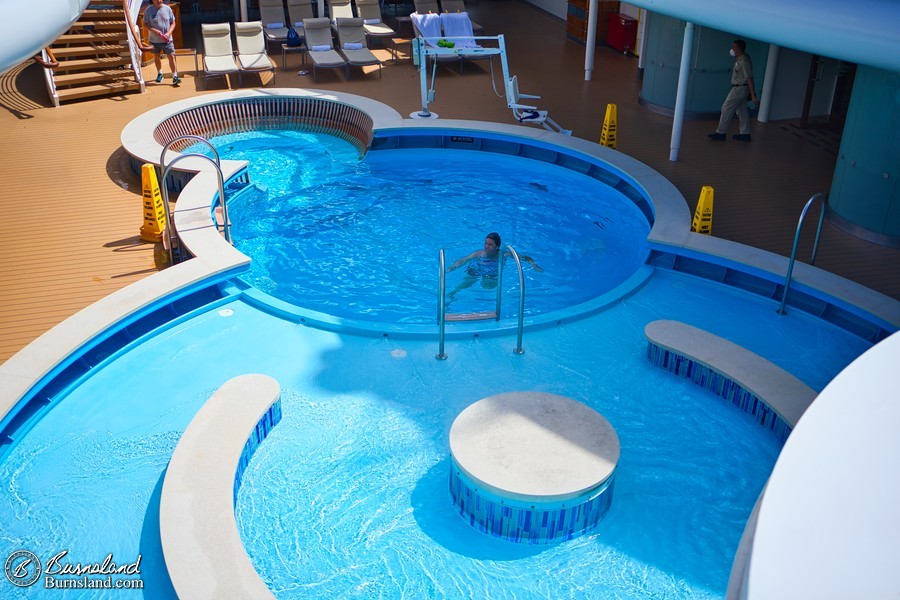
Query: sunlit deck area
{"points": [[72, 207]]}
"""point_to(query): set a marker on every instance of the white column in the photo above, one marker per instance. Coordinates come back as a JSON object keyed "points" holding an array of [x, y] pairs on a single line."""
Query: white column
{"points": [[321, 5], [684, 73], [768, 86], [591, 43]]}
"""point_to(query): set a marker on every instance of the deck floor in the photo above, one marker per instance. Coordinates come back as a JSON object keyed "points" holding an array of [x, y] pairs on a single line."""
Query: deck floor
{"points": [[73, 208]]}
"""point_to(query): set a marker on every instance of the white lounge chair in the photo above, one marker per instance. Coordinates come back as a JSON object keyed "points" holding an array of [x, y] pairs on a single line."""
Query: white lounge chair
{"points": [[251, 48], [352, 44], [428, 27], [218, 53], [339, 9], [527, 114], [271, 13], [370, 12], [320, 47]]}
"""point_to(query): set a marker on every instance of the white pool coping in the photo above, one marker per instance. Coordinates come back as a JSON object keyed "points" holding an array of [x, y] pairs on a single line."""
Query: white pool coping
{"points": [[534, 446], [781, 391], [201, 543], [215, 257]]}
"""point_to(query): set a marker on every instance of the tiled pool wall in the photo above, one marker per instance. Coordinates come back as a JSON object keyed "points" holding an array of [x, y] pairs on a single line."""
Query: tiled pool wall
{"points": [[720, 385], [528, 522], [265, 424]]}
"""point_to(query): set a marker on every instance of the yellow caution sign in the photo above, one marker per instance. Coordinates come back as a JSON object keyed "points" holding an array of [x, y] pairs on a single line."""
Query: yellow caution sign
{"points": [[702, 222], [154, 211], [608, 135]]}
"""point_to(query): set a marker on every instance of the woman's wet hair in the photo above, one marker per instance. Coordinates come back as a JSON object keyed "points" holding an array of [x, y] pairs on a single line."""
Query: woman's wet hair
{"points": [[494, 236]]}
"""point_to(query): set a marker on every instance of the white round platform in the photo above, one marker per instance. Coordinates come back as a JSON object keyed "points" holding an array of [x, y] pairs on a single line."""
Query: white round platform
{"points": [[534, 446]]}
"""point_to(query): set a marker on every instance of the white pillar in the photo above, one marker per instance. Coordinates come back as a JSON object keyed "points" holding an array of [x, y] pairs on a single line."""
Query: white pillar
{"points": [[591, 43], [684, 73], [768, 86], [321, 5]]}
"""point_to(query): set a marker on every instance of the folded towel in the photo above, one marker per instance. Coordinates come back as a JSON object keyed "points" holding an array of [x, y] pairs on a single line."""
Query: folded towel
{"points": [[274, 25], [429, 26], [298, 24], [320, 48], [371, 21], [352, 46]]}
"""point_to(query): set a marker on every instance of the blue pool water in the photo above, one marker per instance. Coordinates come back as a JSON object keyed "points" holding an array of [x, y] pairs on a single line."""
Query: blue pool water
{"points": [[360, 238], [348, 496]]}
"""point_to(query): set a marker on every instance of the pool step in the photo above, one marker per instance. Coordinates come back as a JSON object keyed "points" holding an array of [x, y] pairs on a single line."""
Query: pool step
{"points": [[472, 316]]}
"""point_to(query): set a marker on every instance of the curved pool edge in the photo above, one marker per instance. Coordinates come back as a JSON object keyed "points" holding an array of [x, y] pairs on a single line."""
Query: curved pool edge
{"points": [[201, 543]]}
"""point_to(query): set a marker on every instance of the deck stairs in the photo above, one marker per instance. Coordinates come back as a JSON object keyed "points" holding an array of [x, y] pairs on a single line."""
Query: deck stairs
{"points": [[96, 57]]}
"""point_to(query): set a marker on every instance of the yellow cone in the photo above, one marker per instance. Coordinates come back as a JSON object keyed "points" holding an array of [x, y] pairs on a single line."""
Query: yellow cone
{"points": [[702, 222], [154, 211], [608, 135]]}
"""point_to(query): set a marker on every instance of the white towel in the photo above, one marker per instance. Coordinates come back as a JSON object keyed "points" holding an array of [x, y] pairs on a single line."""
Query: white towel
{"points": [[274, 25], [371, 21], [458, 27], [429, 25], [352, 46], [320, 48]]}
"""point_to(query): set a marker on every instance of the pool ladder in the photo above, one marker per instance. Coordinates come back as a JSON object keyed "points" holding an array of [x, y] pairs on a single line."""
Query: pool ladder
{"points": [[443, 316], [170, 226], [787, 280]]}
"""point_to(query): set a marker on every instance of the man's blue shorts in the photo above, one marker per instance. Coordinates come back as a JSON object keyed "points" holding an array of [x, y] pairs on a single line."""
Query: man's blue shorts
{"points": [[167, 47]]}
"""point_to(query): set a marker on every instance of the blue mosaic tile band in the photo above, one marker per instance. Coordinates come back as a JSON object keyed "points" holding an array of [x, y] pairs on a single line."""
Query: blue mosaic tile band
{"points": [[524, 522], [260, 432], [720, 385]]}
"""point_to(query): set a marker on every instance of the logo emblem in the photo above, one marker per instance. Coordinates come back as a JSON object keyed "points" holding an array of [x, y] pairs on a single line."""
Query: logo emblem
{"points": [[22, 568]]}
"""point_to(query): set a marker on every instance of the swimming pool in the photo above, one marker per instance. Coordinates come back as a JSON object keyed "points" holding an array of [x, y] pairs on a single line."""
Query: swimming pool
{"points": [[109, 418], [360, 238]]}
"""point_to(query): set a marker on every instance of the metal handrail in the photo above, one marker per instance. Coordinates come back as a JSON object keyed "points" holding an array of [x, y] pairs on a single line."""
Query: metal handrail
{"points": [[442, 303], [442, 306], [787, 280], [226, 224], [521, 325]]}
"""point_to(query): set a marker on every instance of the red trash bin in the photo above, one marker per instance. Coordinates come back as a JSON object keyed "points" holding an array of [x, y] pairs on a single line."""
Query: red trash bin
{"points": [[622, 33]]}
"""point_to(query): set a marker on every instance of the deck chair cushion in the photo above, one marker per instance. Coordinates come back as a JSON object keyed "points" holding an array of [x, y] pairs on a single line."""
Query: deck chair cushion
{"points": [[318, 40], [352, 37], [251, 46], [218, 53]]}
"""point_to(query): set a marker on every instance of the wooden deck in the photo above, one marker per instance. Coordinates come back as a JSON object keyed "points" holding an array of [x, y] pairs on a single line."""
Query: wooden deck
{"points": [[72, 207]]}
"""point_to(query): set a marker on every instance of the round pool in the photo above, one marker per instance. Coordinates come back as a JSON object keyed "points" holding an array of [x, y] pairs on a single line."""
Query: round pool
{"points": [[360, 238]]}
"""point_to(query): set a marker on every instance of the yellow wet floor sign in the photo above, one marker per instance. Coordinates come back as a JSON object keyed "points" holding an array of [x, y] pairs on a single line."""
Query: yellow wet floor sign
{"points": [[154, 211], [702, 222], [608, 135]]}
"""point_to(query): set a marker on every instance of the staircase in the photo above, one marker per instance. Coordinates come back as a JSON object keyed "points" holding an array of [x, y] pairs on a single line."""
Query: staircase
{"points": [[95, 57]]}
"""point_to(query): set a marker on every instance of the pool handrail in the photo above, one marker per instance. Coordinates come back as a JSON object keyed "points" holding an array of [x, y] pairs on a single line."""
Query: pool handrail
{"points": [[442, 303], [165, 188], [787, 279]]}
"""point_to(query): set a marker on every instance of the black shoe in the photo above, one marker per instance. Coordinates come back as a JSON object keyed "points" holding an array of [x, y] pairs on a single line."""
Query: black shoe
{"points": [[744, 137], [719, 137]]}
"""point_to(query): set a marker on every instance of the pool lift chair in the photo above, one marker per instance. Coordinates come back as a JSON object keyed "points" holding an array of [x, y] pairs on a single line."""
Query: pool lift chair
{"points": [[523, 113]]}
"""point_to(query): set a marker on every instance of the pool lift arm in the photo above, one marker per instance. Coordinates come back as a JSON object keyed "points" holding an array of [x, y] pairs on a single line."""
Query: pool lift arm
{"points": [[522, 112]]}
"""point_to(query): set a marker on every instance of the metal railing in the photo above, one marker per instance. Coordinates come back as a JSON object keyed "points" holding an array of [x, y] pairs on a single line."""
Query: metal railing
{"points": [[787, 280], [226, 222], [442, 316]]}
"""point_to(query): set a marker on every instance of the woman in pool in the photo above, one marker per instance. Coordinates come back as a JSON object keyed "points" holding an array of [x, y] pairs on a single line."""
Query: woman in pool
{"points": [[484, 264]]}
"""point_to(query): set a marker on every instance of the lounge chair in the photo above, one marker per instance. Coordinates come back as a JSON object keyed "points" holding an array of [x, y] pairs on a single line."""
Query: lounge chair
{"points": [[271, 13], [321, 50], [370, 12], [459, 6], [423, 7], [457, 28], [297, 11], [352, 44], [218, 53], [339, 9], [428, 27], [251, 48], [527, 114]]}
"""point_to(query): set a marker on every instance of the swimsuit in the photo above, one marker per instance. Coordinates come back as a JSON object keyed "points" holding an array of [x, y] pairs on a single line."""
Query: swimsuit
{"points": [[483, 267]]}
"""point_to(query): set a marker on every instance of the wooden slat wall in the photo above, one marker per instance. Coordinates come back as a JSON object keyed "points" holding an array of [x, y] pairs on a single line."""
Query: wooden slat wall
{"points": [[71, 208]]}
